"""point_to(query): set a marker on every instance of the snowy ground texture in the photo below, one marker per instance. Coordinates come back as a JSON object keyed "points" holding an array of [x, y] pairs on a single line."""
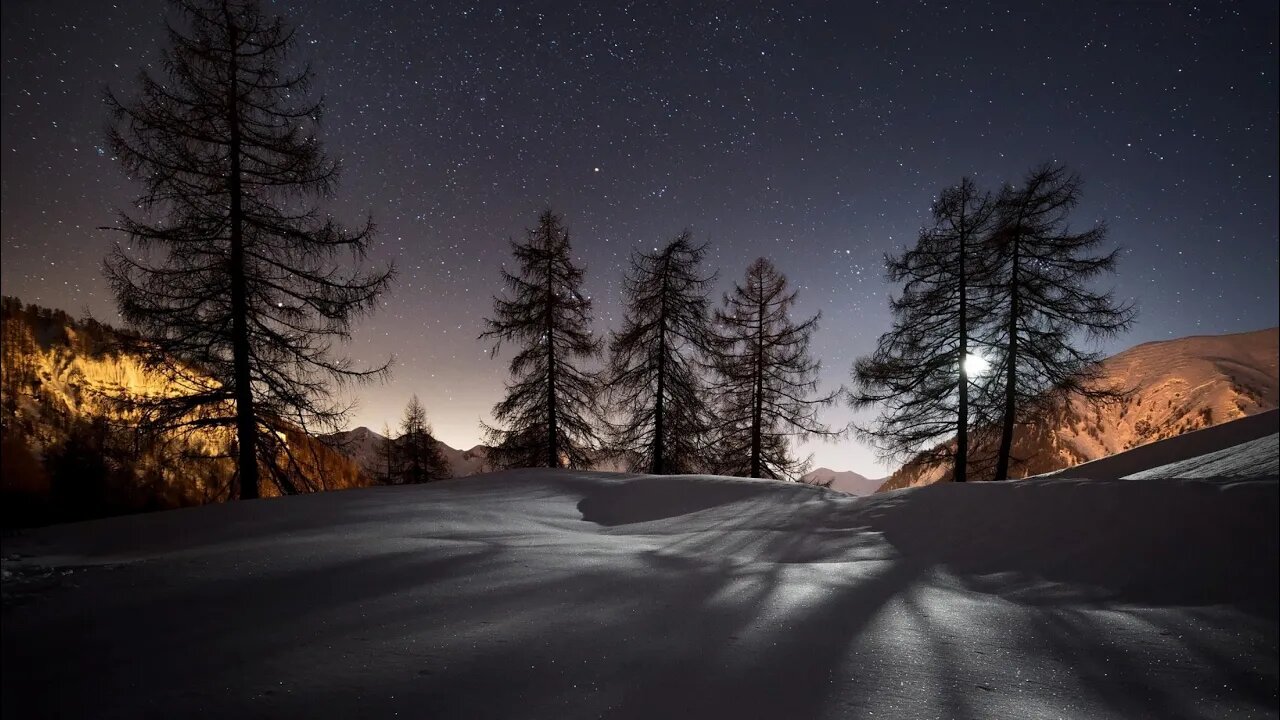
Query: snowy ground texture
{"points": [[535, 594]]}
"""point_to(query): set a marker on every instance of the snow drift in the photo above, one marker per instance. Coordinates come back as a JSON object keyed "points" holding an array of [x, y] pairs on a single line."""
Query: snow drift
{"points": [[540, 594]]}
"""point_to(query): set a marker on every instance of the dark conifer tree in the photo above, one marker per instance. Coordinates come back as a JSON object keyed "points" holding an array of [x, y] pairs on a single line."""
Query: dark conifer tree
{"points": [[17, 357], [389, 460], [232, 273], [548, 415], [918, 375], [656, 360], [765, 379], [1044, 301], [80, 473], [418, 455]]}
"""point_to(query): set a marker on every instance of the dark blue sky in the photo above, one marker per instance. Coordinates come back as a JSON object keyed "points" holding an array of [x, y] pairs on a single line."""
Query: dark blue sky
{"points": [[812, 133]]}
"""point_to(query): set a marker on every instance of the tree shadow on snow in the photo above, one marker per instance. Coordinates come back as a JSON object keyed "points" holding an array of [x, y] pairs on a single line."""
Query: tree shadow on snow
{"points": [[636, 597]]}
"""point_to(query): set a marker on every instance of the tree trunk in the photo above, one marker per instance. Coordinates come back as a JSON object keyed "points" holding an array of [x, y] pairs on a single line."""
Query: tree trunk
{"points": [[246, 417], [1011, 372], [960, 473], [659, 465], [757, 410], [390, 479], [553, 432]]}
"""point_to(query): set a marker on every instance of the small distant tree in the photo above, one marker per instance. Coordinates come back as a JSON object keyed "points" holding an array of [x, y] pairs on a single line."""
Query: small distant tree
{"points": [[547, 417], [231, 271], [765, 379], [389, 459], [80, 474], [1043, 301], [656, 360], [816, 482], [918, 375], [420, 458]]}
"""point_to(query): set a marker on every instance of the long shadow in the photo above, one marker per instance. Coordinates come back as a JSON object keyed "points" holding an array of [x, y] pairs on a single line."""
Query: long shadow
{"points": [[740, 609], [1186, 543], [107, 639], [691, 639]]}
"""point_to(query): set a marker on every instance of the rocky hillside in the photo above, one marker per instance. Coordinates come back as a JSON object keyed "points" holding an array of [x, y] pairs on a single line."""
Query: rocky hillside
{"points": [[70, 451], [1178, 386]]}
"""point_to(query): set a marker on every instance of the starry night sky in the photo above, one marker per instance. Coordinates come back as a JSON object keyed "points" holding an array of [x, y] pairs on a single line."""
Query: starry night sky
{"points": [[812, 133]]}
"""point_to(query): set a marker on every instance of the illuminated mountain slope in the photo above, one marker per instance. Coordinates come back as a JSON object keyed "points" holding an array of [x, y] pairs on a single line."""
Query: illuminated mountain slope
{"points": [[71, 451], [1178, 386]]}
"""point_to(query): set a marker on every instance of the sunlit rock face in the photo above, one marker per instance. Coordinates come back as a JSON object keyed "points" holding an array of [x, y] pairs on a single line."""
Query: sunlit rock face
{"points": [[1178, 386], [72, 450]]}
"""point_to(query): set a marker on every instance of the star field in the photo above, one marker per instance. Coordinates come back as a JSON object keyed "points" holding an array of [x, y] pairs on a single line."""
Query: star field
{"points": [[813, 133]]}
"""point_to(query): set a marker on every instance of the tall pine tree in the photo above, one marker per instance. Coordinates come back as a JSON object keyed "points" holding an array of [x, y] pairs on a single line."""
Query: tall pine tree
{"points": [[1044, 301], [232, 272], [418, 455], [656, 360], [919, 374], [765, 379], [548, 415]]}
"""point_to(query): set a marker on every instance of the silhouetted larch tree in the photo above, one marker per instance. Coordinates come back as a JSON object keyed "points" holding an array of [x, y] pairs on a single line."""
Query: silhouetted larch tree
{"points": [[419, 458], [231, 271], [918, 375], [1043, 301], [389, 459], [547, 415], [764, 378], [656, 360]]}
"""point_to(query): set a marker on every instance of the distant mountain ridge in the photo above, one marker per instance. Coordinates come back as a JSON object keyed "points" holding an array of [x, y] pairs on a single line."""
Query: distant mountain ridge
{"points": [[368, 449], [1178, 386], [846, 481]]}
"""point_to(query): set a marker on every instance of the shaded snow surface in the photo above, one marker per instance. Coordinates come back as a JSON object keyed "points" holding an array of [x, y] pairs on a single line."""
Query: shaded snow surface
{"points": [[536, 594]]}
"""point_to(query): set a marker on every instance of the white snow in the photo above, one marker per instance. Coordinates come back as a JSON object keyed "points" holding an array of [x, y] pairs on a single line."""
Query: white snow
{"points": [[538, 594], [1243, 460]]}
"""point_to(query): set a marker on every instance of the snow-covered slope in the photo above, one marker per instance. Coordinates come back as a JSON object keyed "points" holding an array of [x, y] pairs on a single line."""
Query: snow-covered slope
{"points": [[1243, 460], [846, 481], [539, 594], [1178, 386]]}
